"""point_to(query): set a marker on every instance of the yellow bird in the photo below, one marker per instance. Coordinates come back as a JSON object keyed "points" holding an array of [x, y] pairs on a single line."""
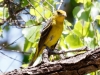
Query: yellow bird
{"points": [[50, 34]]}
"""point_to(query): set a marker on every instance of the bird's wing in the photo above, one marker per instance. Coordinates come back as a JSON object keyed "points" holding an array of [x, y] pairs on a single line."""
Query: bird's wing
{"points": [[44, 34]]}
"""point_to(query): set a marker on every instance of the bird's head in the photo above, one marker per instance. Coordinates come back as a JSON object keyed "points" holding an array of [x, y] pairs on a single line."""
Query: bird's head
{"points": [[60, 15]]}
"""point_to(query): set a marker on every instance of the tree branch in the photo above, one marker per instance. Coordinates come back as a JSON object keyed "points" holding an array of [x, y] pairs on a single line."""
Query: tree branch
{"points": [[76, 65]]}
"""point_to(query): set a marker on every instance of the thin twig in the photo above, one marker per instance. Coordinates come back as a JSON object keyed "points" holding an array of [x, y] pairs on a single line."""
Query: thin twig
{"points": [[35, 8], [75, 50], [26, 53], [11, 64], [10, 57], [61, 1], [50, 5], [13, 41], [1, 71]]}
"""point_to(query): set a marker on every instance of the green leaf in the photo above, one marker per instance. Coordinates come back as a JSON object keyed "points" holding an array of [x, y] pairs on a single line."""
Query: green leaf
{"points": [[40, 12], [32, 34], [98, 37], [83, 30], [1, 31], [35, 3], [1, 0], [97, 5], [24, 3], [79, 1], [75, 11], [86, 29], [47, 14], [32, 54], [3, 13], [78, 29], [73, 41], [30, 22], [90, 42], [25, 60], [67, 23], [87, 3], [85, 14], [27, 45], [98, 17], [62, 43], [91, 31]]}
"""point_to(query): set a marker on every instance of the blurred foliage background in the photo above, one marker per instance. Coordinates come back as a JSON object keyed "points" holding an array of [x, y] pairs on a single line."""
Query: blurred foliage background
{"points": [[21, 22]]}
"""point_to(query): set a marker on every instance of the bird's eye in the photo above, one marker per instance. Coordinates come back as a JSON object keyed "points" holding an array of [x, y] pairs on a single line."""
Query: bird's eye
{"points": [[58, 12]]}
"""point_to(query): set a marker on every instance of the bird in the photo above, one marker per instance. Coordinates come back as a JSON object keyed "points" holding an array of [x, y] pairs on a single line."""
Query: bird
{"points": [[50, 33]]}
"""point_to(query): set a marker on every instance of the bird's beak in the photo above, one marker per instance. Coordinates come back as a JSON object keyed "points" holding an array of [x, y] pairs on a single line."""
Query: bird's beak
{"points": [[65, 15]]}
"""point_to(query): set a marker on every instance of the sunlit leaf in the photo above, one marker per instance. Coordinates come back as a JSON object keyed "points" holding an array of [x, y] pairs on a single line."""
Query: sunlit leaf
{"points": [[91, 31], [98, 37], [37, 11], [40, 12], [87, 3], [1, 0], [73, 41], [1, 31], [83, 30], [25, 65], [98, 17], [62, 44], [79, 1], [86, 28], [31, 33], [1, 13], [67, 23], [35, 3], [97, 5], [47, 14], [90, 42], [78, 29], [32, 23], [82, 1], [27, 45]]}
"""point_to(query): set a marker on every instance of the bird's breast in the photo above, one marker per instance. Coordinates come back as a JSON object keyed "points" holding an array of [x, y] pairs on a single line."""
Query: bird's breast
{"points": [[54, 35]]}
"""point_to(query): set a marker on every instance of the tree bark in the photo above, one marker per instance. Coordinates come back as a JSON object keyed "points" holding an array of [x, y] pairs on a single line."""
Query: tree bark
{"points": [[76, 65]]}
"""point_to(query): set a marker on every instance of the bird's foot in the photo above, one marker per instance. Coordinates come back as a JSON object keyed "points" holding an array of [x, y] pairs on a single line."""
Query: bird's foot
{"points": [[45, 57]]}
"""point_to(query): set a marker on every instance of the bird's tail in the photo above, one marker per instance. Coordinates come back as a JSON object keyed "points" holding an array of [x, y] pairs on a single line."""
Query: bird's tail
{"points": [[37, 53], [34, 57]]}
